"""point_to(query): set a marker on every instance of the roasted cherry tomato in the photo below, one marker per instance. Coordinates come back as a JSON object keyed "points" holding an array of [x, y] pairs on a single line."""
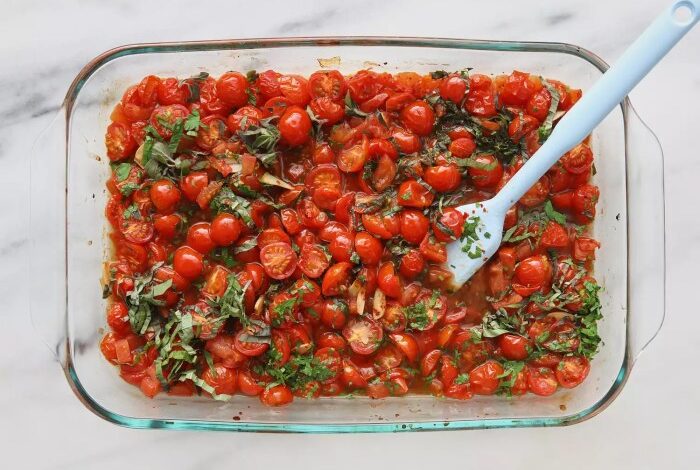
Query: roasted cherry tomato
{"points": [[295, 126], [572, 370], [278, 259]]}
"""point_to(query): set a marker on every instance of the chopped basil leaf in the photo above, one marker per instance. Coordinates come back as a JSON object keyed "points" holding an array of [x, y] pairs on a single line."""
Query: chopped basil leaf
{"points": [[546, 128], [121, 171], [552, 214], [351, 108], [228, 201]]}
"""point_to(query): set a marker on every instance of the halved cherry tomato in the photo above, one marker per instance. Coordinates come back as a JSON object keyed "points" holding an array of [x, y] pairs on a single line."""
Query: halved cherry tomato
{"points": [[538, 104], [384, 174], [246, 249], [387, 358], [248, 344], [351, 376], [407, 344], [243, 118], [119, 141], [352, 159], [323, 153], [394, 318], [278, 259], [537, 194], [280, 340], [521, 126], [327, 84], [134, 254], [336, 279], [429, 362], [138, 231], [118, 318], [572, 370], [377, 390], [363, 335], [223, 350], [164, 118], [179, 282], [311, 215], [334, 314], [541, 381], [313, 261], [212, 131], [133, 108], [207, 194], [388, 281]]}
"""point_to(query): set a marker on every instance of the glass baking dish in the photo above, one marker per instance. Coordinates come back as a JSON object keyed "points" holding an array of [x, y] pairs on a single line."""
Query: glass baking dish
{"points": [[68, 172]]}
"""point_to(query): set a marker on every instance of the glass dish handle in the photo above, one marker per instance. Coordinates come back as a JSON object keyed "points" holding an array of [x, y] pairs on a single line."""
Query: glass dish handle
{"points": [[647, 263], [47, 221]]}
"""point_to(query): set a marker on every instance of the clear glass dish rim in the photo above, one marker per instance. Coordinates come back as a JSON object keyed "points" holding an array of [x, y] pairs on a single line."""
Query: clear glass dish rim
{"points": [[331, 41]]}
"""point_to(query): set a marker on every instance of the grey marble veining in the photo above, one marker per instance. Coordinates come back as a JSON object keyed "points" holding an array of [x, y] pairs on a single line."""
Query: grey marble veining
{"points": [[44, 44]]}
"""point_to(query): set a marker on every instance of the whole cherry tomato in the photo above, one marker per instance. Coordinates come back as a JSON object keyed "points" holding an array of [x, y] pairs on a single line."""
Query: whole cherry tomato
{"points": [[232, 89], [418, 117], [295, 126], [453, 88]]}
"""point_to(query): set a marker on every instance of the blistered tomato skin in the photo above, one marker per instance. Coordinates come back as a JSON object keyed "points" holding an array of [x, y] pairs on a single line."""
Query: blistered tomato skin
{"points": [[284, 237]]}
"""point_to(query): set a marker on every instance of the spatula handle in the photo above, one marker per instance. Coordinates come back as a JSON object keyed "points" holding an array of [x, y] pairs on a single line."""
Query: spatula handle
{"points": [[654, 43]]}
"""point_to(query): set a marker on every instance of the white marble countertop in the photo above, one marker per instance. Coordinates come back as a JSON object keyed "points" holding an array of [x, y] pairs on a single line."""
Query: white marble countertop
{"points": [[653, 423]]}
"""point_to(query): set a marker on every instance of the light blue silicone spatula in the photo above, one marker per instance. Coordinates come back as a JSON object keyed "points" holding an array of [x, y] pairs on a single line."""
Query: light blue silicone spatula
{"points": [[464, 258]]}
